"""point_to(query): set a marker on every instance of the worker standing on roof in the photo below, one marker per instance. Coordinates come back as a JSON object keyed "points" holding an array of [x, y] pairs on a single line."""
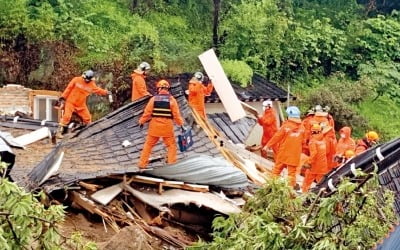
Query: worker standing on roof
{"points": [[345, 143], [197, 92], [74, 99], [139, 88], [317, 160], [290, 139], [162, 109], [269, 125], [370, 139]]}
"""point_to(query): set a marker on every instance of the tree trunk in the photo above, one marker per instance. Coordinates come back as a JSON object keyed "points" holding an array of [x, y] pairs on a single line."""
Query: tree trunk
{"points": [[217, 9]]}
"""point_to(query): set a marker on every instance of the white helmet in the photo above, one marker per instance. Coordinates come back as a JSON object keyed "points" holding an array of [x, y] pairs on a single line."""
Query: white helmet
{"points": [[144, 66], [266, 104], [199, 76]]}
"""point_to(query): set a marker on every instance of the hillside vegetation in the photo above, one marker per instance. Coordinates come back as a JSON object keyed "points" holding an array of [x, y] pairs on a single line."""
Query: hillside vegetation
{"points": [[310, 44]]}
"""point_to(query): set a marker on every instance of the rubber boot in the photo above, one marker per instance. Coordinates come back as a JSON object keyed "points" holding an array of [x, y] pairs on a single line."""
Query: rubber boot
{"points": [[60, 131]]}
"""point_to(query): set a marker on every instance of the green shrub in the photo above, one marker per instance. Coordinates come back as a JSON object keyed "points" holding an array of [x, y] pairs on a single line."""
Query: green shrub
{"points": [[238, 71], [341, 95], [354, 217]]}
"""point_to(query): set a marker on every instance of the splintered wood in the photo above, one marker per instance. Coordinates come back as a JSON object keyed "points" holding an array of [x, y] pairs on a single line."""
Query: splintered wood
{"points": [[236, 154]]}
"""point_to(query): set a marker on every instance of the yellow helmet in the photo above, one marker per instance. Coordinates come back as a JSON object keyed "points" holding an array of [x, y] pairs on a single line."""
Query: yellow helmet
{"points": [[349, 153], [163, 84], [316, 127], [372, 136]]}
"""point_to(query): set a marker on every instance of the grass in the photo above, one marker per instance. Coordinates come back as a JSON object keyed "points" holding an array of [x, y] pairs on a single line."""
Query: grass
{"points": [[383, 116]]}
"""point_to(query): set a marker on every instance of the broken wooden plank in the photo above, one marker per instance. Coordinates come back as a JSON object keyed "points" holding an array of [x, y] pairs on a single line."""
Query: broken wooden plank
{"points": [[162, 183], [250, 109], [87, 204], [33, 136], [89, 186], [105, 195]]}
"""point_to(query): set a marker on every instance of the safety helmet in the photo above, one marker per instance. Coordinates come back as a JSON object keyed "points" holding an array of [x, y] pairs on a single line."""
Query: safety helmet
{"points": [[162, 84], [318, 108], [372, 136], [199, 76], [316, 128], [144, 66], [88, 75], [267, 103], [349, 153], [293, 112]]}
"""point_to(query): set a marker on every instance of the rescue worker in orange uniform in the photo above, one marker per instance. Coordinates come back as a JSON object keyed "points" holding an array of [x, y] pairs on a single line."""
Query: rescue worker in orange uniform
{"points": [[370, 139], [74, 99], [317, 160], [162, 110], [331, 142], [269, 125], [290, 138], [139, 88], [197, 93], [345, 143], [307, 128]]}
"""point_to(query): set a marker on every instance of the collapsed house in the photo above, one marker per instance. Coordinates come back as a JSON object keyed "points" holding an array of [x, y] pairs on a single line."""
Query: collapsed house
{"points": [[95, 165]]}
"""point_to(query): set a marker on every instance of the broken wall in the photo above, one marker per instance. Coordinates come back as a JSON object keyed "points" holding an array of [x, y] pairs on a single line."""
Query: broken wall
{"points": [[14, 97]]}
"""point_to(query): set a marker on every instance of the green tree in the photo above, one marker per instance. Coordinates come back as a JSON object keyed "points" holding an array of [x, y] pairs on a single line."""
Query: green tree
{"points": [[25, 222]]}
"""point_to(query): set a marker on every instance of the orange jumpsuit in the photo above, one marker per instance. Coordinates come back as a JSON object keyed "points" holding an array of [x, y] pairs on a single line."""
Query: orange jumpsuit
{"points": [[289, 138], [75, 96], [345, 143], [160, 127], [139, 88], [197, 93], [307, 123], [318, 161], [269, 125], [362, 145], [330, 139]]}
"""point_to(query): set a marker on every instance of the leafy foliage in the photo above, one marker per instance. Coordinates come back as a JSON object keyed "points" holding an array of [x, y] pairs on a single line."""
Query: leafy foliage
{"points": [[24, 221], [238, 71], [275, 218], [340, 94]]}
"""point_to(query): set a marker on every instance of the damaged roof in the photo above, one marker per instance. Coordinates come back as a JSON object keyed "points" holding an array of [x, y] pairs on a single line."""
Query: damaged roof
{"points": [[259, 89], [384, 158], [97, 150], [237, 131]]}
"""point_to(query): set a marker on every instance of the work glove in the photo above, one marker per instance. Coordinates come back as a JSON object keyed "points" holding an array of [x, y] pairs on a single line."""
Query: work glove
{"points": [[109, 92], [140, 125]]}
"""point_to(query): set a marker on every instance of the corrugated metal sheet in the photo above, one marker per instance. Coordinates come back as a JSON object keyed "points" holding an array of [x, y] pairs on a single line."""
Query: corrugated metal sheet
{"points": [[203, 169]]}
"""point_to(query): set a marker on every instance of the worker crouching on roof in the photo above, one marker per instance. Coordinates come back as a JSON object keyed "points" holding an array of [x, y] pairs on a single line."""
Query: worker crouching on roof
{"points": [[318, 159], [162, 109], [139, 88], [197, 93], [370, 139], [74, 99], [269, 125], [290, 138]]}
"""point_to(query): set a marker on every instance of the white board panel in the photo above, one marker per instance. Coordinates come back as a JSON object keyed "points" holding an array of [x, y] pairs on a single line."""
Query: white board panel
{"points": [[222, 85], [33, 136]]}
